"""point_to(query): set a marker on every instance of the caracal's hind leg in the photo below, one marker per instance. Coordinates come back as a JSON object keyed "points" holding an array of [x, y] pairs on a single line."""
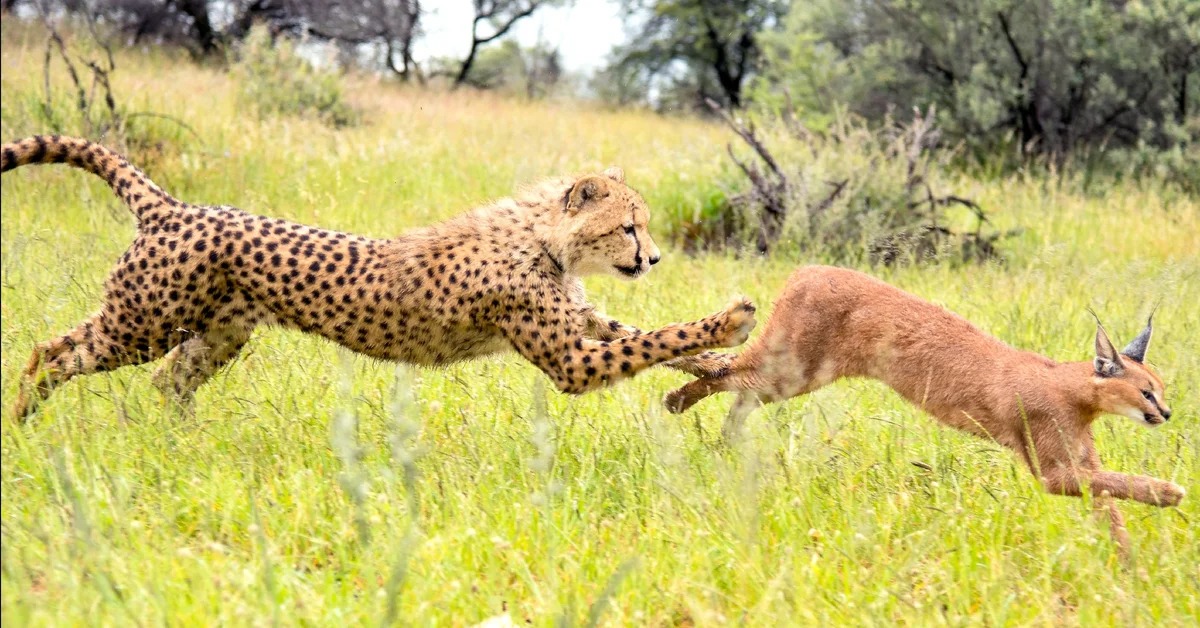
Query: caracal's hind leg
{"points": [[749, 398], [94, 346], [735, 378], [755, 386], [746, 403], [193, 362], [689, 394]]}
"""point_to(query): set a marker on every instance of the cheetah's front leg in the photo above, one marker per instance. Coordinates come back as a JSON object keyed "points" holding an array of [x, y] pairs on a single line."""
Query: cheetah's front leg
{"points": [[706, 364], [577, 364]]}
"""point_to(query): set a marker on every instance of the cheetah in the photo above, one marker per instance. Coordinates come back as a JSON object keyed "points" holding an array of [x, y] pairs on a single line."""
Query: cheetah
{"points": [[198, 280]]}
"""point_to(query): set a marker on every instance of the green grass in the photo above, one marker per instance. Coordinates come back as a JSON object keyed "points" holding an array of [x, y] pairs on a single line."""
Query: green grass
{"points": [[315, 487]]}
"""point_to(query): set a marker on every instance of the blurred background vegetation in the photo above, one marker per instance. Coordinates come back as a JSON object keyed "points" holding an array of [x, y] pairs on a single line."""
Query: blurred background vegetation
{"points": [[850, 117]]}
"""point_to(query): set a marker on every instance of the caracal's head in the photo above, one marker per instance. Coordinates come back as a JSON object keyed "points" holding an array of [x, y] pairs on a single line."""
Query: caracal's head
{"points": [[604, 229], [1126, 385]]}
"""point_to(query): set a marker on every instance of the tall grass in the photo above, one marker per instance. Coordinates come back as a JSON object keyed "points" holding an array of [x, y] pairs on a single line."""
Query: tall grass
{"points": [[315, 487]]}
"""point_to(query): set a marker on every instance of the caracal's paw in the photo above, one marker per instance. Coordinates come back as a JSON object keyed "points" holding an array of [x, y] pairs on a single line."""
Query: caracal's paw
{"points": [[676, 401], [1171, 494]]}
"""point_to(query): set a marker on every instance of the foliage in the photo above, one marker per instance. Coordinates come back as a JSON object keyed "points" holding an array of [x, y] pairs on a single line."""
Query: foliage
{"points": [[274, 80], [381, 30], [534, 71], [852, 193], [1051, 77], [95, 110], [373, 32], [690, 50], [496, 17], [79, 69], [185, 23], [1176, 164], [619, 85]]}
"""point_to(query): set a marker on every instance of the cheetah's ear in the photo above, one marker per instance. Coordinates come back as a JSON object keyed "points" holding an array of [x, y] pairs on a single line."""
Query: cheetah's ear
{"points": [[615, 173], [586, 190]]}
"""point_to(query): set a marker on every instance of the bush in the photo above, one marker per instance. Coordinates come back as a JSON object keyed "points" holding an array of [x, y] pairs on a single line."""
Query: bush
{"points": [[849, 193], [277, 81], [1053, 78], [1176, 165], [77, 97]]}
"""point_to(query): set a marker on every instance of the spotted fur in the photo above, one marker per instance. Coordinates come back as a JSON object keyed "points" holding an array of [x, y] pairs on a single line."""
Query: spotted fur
{"points": [[198, 280]]}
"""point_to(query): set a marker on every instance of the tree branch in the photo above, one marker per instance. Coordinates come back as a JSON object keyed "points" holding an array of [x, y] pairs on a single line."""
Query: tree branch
{"points": [[482, 14]]}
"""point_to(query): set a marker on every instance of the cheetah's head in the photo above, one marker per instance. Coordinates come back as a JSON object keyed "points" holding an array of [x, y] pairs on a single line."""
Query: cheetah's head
{"points": [[606, 228]]}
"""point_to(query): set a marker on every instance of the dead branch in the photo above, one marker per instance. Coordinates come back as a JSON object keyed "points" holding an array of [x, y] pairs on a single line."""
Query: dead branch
{"points": [[769, 192], [748, 134], [85, 97], [150, 114], [815, 212]]}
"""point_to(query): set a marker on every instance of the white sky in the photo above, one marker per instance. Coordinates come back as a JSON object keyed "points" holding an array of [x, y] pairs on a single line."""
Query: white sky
{"points": [[584, 31]]}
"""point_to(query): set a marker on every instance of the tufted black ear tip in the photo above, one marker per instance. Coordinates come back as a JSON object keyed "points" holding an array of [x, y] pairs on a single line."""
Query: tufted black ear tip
{"points": [[1137, 348]]}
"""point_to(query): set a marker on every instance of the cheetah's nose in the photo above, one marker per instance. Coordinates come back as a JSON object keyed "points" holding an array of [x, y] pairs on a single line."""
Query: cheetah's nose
{"points": [[654, 260], [1166, 414]]}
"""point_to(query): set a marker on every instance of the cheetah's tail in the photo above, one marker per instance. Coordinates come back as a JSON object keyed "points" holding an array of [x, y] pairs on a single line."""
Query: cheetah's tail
{"points": [[129, 183]]}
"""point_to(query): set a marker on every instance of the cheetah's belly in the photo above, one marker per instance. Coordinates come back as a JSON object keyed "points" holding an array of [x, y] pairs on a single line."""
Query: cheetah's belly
{"points": [[437, 346]]}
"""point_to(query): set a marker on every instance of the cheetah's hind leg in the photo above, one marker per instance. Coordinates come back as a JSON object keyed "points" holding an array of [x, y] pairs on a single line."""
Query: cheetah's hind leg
{"points": [[89, 348], [193, 362]]}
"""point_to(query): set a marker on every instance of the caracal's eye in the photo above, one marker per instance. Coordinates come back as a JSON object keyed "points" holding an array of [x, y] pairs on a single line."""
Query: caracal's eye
{"points": [[1148, 395], [629, 229]]}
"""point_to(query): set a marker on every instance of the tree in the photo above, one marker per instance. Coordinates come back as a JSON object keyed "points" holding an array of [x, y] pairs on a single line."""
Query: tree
{"points": [[1054, 76], [387, 26], [534, 71], [499, 16], [698, 49], [180, 22]]}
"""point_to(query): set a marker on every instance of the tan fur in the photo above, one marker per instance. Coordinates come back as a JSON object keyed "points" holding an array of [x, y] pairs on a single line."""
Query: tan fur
{"points": [[832, 323], [197, 280]]}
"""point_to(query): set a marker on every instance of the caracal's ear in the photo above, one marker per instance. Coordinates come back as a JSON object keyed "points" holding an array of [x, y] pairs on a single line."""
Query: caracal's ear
{"points": [[586, 190], [615, 173], [1136, 350], [1107, 361]]}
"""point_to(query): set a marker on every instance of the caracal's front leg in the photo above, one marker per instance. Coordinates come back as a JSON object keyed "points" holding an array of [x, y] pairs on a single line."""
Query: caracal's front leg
{"points": [[1107, 486], [1064, 480]]}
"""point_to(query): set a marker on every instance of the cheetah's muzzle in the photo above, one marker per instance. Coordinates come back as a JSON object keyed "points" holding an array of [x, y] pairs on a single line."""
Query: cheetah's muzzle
{"points": [[633, 272]]}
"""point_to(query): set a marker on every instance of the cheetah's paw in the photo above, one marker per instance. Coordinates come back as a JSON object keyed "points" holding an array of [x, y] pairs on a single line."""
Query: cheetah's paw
{"points": [[739, 322]]}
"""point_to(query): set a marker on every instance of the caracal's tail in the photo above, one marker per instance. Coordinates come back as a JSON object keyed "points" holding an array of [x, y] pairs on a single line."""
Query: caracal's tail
{"points": [[144, 199]]}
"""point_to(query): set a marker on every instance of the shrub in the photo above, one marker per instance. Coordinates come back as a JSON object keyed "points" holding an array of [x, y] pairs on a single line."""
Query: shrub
{"points": [[1176, 165], [849, 193], [1050, 78], [275, 80], [77, 97]]}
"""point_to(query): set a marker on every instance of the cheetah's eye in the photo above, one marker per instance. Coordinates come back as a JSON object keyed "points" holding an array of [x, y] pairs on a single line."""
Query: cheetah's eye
{"points": [[1148, 395], [629, 229]]}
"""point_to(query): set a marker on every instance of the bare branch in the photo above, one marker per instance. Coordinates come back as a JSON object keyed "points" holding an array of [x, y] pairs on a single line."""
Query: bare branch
{"points": [[488, 11], [747, 134]]}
